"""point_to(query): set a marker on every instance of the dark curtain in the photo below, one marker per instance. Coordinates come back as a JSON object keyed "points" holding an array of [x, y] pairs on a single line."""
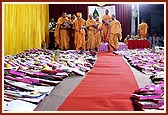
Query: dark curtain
{"points": [[123, 13], [56, 10]]}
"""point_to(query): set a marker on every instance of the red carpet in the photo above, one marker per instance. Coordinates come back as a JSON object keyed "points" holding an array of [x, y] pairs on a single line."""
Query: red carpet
{"points": [[107, 87]]}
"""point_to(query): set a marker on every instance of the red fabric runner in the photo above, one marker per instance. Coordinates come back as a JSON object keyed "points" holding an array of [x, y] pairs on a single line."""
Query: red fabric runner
{"points": [[107, 87]]}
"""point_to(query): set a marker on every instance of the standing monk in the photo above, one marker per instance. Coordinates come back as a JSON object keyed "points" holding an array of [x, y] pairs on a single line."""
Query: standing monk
{"points": [[61, 33], [106, 20], [114, 34], [79, 35], [143, 30], [98, 34], [90, 27]]}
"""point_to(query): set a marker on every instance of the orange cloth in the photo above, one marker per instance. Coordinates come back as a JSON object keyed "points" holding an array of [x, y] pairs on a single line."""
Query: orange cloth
{"points": [[115, 34], [74, 20], [98, 34], [61, 35], [79, 35], [91, 34], [143, 29], [106, 18], [115, 27]]}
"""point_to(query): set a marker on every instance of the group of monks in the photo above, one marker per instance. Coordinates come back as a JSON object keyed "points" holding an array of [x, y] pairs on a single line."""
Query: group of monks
{"points": [[87, 34]]}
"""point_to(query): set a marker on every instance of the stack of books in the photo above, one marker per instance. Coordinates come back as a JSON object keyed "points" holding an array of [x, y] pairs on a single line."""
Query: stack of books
{"points": [[31, 75], [150, 97]]}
